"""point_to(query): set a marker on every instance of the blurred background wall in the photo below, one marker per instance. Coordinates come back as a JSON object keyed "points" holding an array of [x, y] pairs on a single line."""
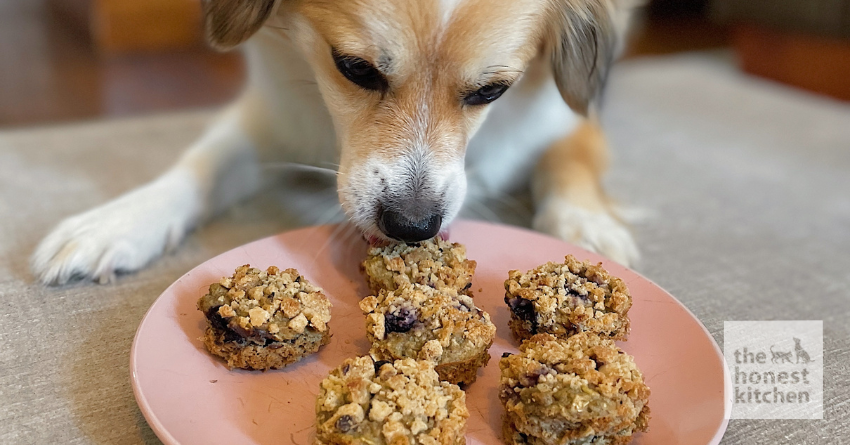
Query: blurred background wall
{"points": [[63, 60], [805, 43]]}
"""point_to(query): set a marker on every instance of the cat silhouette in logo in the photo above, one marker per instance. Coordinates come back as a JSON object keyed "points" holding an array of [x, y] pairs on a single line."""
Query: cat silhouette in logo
{"points": [[780, 356], [801, 353]]}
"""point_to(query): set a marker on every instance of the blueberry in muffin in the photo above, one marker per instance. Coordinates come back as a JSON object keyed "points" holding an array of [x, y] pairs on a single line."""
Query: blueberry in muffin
{"points": [[564, 299], [264, 319], [580, 391], [389, 402]]}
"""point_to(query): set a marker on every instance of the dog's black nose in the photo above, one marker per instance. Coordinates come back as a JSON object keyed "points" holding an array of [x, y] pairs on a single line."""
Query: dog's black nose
{"points": [[399, 227]]}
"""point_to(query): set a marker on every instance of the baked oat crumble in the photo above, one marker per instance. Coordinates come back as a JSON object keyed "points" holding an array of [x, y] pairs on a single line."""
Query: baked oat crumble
{"points": [[420, 322], [379, 403], [436, 263], [582, 390], [276, 314], [567, 298]]}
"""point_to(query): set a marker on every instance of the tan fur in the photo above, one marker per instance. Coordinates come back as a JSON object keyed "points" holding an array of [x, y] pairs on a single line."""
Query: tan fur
{"points": [[428, 67], [583, 47], [572, 169], [230, 22]]}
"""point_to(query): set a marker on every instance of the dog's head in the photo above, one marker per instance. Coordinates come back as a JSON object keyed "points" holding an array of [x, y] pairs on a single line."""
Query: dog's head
{"points": [[408, 84]]}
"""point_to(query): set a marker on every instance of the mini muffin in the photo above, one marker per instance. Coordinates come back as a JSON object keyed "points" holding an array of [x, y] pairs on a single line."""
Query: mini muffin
{"points": [[264, 319], [382, 403], [436, 263], [564, 299], [579, 391], [419, 322]]}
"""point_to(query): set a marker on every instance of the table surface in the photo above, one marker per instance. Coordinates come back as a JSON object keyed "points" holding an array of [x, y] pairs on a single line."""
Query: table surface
{"points": [[739, 189]]}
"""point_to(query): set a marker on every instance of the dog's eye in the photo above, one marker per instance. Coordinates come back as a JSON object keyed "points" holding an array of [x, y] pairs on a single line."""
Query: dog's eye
{"points": [[485, 94], [360, 72]]}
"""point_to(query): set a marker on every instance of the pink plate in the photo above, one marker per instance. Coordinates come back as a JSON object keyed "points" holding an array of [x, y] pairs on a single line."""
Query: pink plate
{"points": [[189, 397]]}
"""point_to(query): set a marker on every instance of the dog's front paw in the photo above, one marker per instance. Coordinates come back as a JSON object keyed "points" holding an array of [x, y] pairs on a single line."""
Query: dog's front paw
{"points": [[599, 232], [120, 236]]}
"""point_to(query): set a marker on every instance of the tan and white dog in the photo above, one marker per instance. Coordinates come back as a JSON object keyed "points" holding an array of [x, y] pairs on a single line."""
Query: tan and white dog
{"points": [[417, 100]]}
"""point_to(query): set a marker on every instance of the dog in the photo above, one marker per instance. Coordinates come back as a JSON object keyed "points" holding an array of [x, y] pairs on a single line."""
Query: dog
{"points": [[420, 102]]}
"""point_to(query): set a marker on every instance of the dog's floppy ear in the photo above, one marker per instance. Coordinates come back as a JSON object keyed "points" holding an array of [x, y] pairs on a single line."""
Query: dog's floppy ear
{"points": [[582, 47], [230, 22]]}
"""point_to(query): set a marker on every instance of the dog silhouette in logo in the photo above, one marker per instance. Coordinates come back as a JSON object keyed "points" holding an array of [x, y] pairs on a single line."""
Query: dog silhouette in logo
{"points": [[779, 357], [801, 353]]}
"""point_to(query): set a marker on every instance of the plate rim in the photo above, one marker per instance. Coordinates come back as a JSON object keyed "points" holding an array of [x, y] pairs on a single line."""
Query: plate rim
{"points": [[168, 439]]}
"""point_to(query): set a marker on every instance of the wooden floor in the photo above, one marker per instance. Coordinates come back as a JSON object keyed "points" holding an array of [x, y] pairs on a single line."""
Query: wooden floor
{"points": [[49, 72]]}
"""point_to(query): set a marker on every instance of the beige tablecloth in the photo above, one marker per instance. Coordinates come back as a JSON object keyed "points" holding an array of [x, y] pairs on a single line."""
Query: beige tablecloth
{"points": [[745, 188]]}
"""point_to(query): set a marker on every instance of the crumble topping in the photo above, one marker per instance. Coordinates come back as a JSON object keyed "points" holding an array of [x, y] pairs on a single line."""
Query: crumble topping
{"points": [[419, 321], [382, 402], [580, 388], [436, 263], [262, 306], [563, 299]]}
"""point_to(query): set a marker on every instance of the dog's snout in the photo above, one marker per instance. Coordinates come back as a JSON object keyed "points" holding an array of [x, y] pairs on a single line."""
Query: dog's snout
{"points": [[398, 226]]}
